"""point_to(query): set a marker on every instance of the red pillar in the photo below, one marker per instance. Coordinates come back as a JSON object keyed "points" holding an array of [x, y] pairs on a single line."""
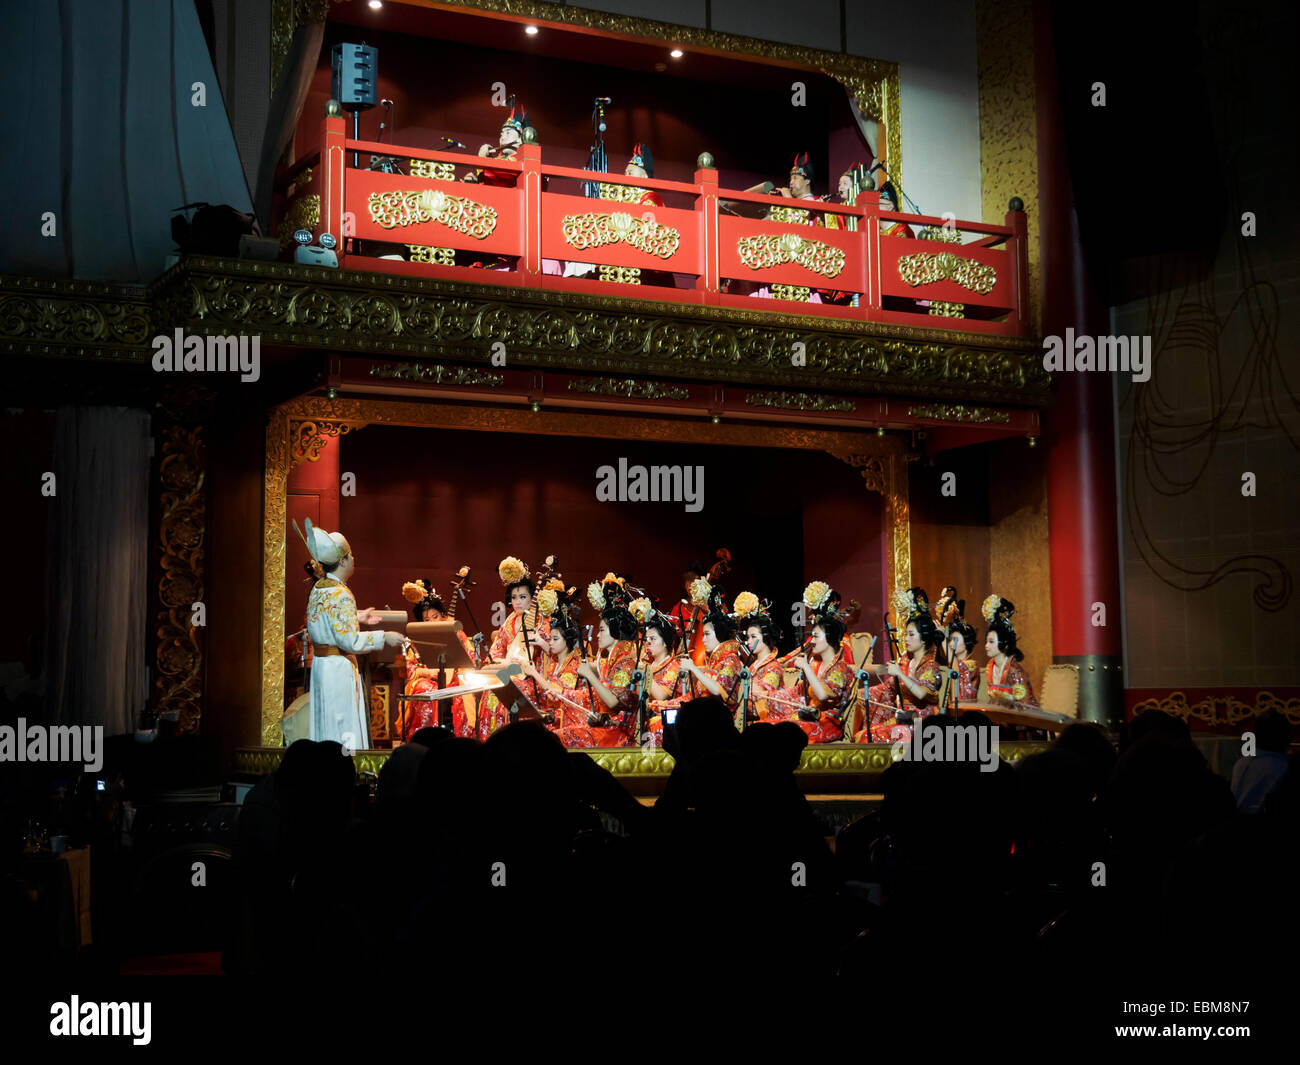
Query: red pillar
{"points": [[1080, 430]]}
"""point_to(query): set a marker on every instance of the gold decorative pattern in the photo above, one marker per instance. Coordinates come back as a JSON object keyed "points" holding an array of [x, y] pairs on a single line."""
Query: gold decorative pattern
{"points": [[797, 293], [583, 231], [762, 252], [1221, 709], [425, 253], [438, 375], [620, 193], [794, 216], [283, 427], [75, 319], [621, 275], [309, 439], [798, 401], [303, 213], [1008, 121], [940, 309], [925, 268], [941, 234], [403, 208], [427, 168], [956, 412], [379, 711], [286, 17], [629, 388], [352, 311], [178, 653]]}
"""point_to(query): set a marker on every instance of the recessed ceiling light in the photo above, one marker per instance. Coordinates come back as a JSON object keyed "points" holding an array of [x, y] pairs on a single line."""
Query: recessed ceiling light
{"points": [[531, 31], [375, 5], [676, 53]]}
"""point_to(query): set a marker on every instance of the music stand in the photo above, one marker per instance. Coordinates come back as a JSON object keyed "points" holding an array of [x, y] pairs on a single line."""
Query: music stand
{"points": [[437, 640]]}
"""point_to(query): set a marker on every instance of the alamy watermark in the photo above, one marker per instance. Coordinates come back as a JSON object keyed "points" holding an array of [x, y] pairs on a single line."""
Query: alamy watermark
{"points": [[53, 743], [208, 354], [950, 743], [102, 1018], [1082, 354], [651, 484]]}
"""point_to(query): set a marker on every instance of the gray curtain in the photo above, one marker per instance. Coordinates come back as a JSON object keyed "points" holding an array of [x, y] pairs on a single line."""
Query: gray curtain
{"points": [[96, 595], [291, 89], [103, 134]]}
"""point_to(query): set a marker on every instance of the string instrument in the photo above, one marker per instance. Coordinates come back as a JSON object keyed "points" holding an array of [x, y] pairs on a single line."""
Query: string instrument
{"points": [[891, 647], [583, 653], [944, 617], [458, 582], [695, 634]]}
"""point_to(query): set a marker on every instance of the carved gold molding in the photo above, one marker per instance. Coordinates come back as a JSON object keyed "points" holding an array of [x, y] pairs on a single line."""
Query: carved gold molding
{"points": [[956, 412], [303, 213], [798, 401], [1220, 709], [427, 168], [798, 293], [592, 230], [438, 375], [178, 651], [604, 386], [75, 319], [399, 207], [621, 275], [309, 439], [285, 430], [425, 253], [940, 309], [763, 252], [925, 268], [349, 310], [619, 193]]}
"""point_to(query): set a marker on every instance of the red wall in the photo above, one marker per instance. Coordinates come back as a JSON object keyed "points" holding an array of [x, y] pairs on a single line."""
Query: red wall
{"points": [[428, 500], [753, 131]]}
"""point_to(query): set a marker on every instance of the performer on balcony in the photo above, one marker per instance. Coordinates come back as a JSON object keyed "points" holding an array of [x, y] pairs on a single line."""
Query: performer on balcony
{"points": [[610, 723], [420, 679], [824, 687], [802, 175], [720, 674], [889, 202], [760, 635], [916, 677], [1007, 682], [523, 635], [339, 709]]}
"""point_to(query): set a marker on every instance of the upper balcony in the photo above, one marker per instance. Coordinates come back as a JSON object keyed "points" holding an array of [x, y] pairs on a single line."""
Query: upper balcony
{"points": [[538, 226]]}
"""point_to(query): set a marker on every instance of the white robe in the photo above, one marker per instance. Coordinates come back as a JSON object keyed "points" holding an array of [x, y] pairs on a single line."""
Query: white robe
{"points": [[338, 698]]}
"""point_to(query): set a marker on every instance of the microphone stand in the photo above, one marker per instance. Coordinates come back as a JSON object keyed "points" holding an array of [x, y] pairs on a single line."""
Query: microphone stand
{"points": [[898, 186], [596, 158], [745, 676]]}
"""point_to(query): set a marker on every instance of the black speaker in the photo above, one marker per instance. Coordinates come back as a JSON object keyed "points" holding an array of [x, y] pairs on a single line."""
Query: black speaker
{"points": [[354, 79]]}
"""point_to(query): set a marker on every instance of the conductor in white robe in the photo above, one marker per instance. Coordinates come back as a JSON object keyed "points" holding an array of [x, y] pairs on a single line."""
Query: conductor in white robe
{"points": [[338, 697]]}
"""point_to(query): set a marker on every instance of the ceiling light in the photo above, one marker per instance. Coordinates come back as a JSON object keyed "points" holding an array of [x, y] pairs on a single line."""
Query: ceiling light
{"points": [[676, 53], [375, 5], [531, 31]]}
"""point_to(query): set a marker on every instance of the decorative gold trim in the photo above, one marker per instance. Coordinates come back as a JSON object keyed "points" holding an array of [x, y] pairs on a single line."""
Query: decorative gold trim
{"points": [[354, 311], [303, 213], [765, 251], [427, 168], [628, 387], [797, 293], [75, 319], [940, 309], [798, 401], [399, 207], [1220, 710], [621, 275], [619, 193], [925, 268], [941, 234], [591, 230], [427, 253], [309, 439], [956, 412], [887, 474], [284, 427], [178, 652], [438, 375]]}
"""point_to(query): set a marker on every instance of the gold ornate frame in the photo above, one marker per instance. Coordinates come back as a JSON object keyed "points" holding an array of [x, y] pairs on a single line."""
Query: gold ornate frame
{"points": [[872, 83], [296, 432]]}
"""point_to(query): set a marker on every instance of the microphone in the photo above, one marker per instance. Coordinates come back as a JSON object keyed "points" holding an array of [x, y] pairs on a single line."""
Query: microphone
{"points": [[453, 141], [603, 100], [385, 103]]}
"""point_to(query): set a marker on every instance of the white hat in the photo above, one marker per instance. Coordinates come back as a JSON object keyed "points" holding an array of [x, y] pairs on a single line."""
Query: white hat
{"points": [[326, 548]]}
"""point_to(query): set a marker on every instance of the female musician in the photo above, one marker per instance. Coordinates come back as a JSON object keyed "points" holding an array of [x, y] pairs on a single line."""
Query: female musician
{"points": [[766, 671], [1006, 679], [720, 674], [562, 695], [610, 723], [918, 675], [428, 606], [959, 644], [665, 685], [828, 680], [511, 643]]}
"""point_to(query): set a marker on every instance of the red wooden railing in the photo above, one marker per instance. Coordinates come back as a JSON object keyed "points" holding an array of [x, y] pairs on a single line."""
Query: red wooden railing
{"points": [[972, 281]]}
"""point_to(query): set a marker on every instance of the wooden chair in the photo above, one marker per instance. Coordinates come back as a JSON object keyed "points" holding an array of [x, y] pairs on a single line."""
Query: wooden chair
{"points": [[1060, 690]]}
